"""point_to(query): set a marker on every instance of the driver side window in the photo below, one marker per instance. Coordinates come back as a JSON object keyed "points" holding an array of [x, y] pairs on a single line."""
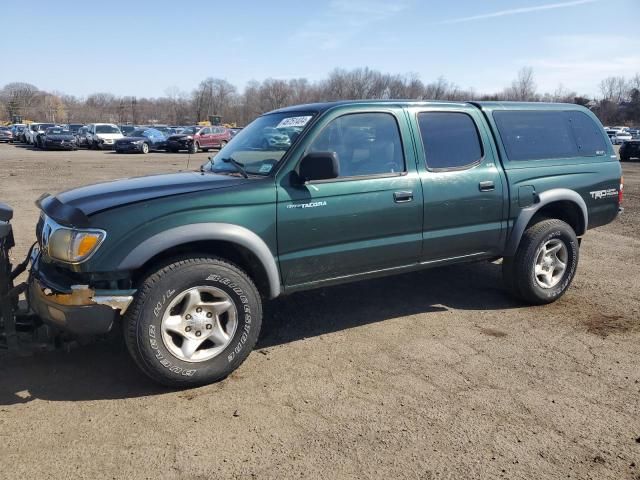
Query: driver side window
{"points": [[365, 143]]}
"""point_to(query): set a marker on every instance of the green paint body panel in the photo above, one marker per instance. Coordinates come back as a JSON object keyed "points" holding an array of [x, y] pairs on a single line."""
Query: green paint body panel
{"points": [[352, 228]]}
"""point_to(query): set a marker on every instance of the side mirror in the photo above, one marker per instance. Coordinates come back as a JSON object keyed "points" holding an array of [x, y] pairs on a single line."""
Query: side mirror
{"points": [[319, 166]]}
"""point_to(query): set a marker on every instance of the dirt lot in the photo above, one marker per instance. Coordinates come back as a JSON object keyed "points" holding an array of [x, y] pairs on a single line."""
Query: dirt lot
{"points": [[437, 374]]}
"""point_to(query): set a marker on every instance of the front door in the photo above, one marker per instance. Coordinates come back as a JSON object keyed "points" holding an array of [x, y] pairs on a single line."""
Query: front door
{"points": [[463, 185], [205, 137], [366, 220]]}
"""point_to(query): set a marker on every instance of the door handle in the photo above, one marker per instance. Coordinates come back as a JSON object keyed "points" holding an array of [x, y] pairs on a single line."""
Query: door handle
{"points": [[402, 197], [487, 186]]}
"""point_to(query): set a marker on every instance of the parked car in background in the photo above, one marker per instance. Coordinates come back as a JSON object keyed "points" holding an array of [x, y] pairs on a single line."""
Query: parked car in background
{"points": [[635, 133], [16, 130], [36, 129], [81, 137], [620, 136], [40, 136], [210, 137], [74, 127], [6, 135], [103, 135], [127, 129], [629, 149], [182, 140], [58, 138], [142, 140]]}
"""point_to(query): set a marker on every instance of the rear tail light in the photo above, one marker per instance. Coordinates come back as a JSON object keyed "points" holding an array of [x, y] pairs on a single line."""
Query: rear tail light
{"points": [[621, 191]]}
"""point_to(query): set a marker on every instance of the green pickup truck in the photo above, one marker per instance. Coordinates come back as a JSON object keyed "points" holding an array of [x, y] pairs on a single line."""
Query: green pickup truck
{"points": [[340, 192]]}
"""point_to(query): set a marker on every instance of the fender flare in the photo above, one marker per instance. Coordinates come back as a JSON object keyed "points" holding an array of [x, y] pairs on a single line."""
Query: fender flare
{"points": [[195, 232], [544, 199]]}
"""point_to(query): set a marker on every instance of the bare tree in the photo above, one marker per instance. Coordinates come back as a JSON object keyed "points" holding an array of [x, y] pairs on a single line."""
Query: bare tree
{"points": [[523, 88], [18, 97], [614, 89]]}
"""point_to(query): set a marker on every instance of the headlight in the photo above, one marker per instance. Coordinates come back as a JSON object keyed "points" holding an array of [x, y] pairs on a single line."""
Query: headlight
{"points": [[138, 142], [74, 246], [189, 137]]}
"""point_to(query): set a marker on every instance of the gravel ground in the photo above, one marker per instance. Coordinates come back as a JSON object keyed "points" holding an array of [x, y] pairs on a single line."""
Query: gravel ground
{"points": [[436, 374]]}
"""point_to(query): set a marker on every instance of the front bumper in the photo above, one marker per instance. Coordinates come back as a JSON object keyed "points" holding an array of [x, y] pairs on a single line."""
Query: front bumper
{"points": [[178, 144], [60, 146], [128, 147], [105, 144], [78, 309]]}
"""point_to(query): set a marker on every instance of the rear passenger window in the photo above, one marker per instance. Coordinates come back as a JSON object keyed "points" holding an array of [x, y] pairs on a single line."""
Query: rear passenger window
{"points": [[587, 134], [450, 140], [538, 135]]}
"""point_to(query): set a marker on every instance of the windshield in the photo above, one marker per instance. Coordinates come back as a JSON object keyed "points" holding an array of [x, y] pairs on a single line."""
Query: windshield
{"points": [[44, 126], [189, 130], [57, 131], [260, 146], [138, 133], [107, 129]]}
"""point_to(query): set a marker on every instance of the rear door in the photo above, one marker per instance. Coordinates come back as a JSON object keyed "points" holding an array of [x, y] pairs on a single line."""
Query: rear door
{"points": [[368, 219], [463, 184]]}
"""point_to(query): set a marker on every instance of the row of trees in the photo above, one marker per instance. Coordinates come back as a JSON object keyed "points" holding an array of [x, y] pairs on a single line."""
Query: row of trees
{"points": [[619, 101]]}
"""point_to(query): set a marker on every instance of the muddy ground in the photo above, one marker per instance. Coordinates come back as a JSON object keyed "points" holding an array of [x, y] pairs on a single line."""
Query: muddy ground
{"points": [[437, 374]]}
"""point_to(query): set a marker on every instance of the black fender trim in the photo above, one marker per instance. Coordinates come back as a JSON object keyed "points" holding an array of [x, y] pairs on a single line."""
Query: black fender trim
{"points": [[545, 198], [206, 231]]}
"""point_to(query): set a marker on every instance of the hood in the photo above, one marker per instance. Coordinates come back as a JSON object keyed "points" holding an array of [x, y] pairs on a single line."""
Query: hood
{"points": [[60, 137], [74, 206], [178, 136], [131, 139], [112, 136]]}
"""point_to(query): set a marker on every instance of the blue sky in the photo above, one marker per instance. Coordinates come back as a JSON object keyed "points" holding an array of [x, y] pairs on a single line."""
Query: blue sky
{"points": [[144, 47]]}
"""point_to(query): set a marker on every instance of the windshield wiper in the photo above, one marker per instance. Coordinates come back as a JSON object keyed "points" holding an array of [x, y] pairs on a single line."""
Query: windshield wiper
{"points": [[239, 166]]}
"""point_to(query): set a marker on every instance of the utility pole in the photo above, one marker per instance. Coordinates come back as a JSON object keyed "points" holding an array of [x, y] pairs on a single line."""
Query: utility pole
{"points": [[134, 102]]}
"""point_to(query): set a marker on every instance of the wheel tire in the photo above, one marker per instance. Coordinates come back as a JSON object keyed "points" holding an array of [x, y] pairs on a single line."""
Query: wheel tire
{"points": [[173, 150], [145, 148], [624, 159], [519, 271], [205, 150], [143, 321], [223, 144], [194, 147]]}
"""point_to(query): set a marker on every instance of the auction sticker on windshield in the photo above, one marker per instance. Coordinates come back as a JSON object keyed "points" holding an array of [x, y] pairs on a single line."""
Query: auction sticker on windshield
{"points": [[294, 121]]}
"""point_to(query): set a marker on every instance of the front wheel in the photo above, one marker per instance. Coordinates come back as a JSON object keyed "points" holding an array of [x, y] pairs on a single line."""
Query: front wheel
{"points": [[194, 147], [544, 264], [193, 322], [145, 148]]}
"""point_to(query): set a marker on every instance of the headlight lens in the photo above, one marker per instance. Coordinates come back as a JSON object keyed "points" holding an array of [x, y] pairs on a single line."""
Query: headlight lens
{"points": [[74, 246]]}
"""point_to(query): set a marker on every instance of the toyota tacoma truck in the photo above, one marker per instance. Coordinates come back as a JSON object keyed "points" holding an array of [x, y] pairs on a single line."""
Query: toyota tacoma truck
{"points": [[183, 262]]}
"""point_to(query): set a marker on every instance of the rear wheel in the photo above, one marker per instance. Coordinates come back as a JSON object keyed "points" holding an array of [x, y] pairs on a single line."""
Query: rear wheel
{"points": [[544, 264], [193, 322]]}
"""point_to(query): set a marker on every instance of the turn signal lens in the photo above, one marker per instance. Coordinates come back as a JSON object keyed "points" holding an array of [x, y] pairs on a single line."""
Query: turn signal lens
{"points": [[86, 245]]}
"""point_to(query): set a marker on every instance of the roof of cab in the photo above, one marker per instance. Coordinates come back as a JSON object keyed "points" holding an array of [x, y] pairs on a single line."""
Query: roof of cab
{"points": [[324, 106], [490, 105]]}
